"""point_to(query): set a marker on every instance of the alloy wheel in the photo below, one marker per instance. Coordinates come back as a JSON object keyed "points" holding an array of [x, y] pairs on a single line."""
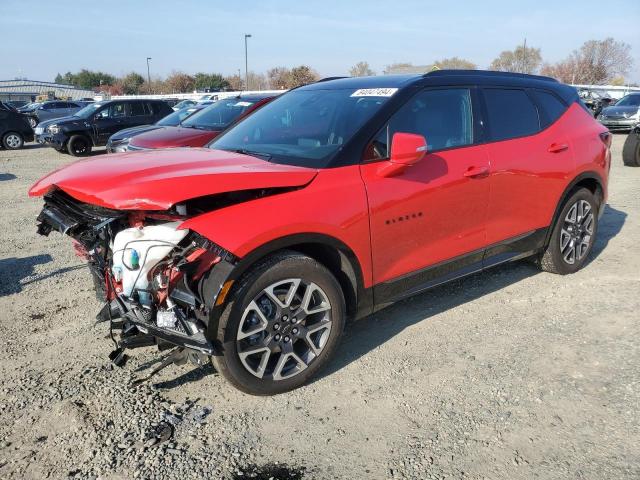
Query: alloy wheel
{"points": [[284, 329], [13, 141], [577, 232]]}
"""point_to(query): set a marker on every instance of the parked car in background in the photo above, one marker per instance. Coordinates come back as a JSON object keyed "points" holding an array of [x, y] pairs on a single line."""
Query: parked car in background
{"points": [[14, 129], [184, 104], [595, 100], [94, 124], [332, 201], [202, 127], [52, 109], [119, 141], [622, 116], [7, 106], [631, 148], [208, 96]]}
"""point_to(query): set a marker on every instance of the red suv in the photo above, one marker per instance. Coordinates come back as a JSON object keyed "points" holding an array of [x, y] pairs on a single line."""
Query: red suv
{"points": [[330, 202], [203, 126]]}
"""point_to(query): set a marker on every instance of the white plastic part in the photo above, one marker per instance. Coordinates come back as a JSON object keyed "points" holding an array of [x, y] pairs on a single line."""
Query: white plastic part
{"points": [[153, 243]]}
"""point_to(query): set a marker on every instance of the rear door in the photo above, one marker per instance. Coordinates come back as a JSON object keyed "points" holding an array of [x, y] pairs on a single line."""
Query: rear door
{"points": [[428, 222], [139, 113], [530, 162]]}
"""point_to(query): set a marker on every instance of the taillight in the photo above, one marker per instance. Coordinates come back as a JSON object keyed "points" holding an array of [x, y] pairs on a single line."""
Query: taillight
{"points": [[606, 138]]}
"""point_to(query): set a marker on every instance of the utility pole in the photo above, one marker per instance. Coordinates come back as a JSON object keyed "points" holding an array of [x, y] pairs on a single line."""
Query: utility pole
{"points": [[246, 62], [148, 74]]}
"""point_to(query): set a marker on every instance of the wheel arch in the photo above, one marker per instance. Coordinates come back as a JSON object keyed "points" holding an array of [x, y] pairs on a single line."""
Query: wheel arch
{"points": [[331, 252], [590, 180]]}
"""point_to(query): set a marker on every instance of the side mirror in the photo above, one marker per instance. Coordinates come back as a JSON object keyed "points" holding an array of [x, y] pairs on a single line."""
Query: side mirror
{"points": [[406, 149]]}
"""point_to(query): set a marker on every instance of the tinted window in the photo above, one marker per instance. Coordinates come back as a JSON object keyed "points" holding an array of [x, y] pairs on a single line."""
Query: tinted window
{"points": [[549, 107], [219, 115], [115, 110], [138, 109], [629, 101], [510, 113], [443, 117]]}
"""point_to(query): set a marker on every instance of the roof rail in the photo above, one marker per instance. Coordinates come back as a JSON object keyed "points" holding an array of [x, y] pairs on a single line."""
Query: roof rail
{"points": [[326, 79], [488, 73]]}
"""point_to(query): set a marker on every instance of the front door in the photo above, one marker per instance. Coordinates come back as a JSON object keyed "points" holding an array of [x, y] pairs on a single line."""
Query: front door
{"points": [[428, 222], [108, 121]]}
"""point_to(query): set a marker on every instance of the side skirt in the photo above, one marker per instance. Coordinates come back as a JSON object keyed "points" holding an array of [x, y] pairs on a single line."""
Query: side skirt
{"points": [[419, 281]]}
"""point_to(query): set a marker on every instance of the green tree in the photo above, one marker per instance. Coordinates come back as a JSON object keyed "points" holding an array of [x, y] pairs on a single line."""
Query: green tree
{"points": [[131, 83], [210, 81]]}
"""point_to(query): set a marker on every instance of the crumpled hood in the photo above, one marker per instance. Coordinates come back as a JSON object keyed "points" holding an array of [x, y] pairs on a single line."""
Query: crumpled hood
{"points": [[170, 137], [623, 111], [156, 180]]}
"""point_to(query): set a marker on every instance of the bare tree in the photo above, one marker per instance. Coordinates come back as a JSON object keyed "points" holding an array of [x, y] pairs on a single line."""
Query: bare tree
{"points": [[180, 82], [278, 77], [361, 69], [455, 63], [235, 82], [302, 75], [397, 68], [521, 60], [257, 81]]}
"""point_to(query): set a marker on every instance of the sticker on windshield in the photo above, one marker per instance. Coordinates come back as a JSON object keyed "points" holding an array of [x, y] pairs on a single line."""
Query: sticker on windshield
{"points": [[374, 92], [242, 104]]}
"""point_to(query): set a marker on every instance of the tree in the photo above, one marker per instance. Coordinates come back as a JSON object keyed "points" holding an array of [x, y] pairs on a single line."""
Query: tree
{"points": [[180, 82], [597, 62], [520, 60], [89, 79], [257, 81], [235, 82], [213, 82], [302, 75], [361, 69], [131, 83], [455, 63], [399, 68], [278, 78]]}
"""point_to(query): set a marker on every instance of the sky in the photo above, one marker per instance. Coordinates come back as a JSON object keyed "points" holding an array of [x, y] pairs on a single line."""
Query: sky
{"points": [[39, 38]]}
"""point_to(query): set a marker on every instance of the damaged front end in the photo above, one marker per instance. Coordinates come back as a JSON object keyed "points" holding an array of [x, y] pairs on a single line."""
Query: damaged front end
{"points": [[151, 274]]}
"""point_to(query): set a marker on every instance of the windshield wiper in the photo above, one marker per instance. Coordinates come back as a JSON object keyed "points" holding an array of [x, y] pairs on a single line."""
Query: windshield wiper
{"points": [[244, 151]]}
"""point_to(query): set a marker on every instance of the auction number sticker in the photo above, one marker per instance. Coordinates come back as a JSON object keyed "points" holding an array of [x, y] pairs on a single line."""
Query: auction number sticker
{"points": [[374, 92], [242, 104]]}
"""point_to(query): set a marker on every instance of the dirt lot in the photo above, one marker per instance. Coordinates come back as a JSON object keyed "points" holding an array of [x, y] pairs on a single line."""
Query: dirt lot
{"points": [[505, 375]]}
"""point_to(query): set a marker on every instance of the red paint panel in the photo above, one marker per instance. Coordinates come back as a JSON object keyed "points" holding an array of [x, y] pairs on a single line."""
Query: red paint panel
{"points": [[169, 137]]}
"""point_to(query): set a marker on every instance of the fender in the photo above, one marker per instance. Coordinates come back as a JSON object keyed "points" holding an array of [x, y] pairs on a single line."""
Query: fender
{"points": [[330, 212], [588, 176]]}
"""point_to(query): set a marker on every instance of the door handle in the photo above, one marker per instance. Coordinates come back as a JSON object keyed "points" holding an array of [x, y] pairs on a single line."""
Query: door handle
{"points": [[558, 147], [474, 172]]}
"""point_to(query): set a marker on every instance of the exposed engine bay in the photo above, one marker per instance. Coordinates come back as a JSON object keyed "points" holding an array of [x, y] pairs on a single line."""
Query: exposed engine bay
{"points": [[159, 282]]}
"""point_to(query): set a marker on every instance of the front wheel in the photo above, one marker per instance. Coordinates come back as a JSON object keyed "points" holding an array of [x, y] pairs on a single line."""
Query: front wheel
{"points": [[79, 146], [573, 235], [282, 325]]}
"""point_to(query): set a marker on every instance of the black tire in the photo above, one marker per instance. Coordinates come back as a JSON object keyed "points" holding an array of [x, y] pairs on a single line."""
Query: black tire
{"points": [[631, 150], [554, 258], [12, 141], [277, 268], [79, 146]]}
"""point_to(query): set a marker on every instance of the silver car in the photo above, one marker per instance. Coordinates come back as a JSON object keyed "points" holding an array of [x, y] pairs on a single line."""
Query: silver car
{"points": [[53, 109], [622, 116]]}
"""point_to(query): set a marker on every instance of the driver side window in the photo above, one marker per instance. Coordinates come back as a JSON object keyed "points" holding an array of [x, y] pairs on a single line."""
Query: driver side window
{"points": [[442, 116]]}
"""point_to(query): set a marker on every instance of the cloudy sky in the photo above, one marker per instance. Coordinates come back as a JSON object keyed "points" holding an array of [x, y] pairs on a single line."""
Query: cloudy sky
{"points": [[41, 38]]}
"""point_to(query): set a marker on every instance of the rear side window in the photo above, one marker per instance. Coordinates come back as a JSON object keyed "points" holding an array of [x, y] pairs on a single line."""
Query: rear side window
{"points": [[550, 108], [510, 113], [138, 109]]}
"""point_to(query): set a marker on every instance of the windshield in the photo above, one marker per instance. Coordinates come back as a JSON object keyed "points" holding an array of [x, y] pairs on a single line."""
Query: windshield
{"points": [[303, 127], [219, 115], [87, 111], [174, 119], [629, 101]]}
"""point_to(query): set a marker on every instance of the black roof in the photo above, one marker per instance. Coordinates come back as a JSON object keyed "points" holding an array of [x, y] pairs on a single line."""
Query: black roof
{"points": [[449, 77]]}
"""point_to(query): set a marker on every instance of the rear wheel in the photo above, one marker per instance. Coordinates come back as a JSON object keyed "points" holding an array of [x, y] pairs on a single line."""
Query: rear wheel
{"points": [[282, 325], [573, 234], [631, 150], [12, 141], [79, 146]]}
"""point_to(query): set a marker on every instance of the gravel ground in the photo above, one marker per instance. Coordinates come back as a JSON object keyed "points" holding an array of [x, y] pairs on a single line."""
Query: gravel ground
{"points": [[507, 374]]}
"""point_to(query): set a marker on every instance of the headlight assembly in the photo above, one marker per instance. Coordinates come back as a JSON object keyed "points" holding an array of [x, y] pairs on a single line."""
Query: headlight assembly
{"points": [[53, 129]]}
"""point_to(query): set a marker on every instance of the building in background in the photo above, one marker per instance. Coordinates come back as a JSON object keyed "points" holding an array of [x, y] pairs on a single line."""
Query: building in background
{"points": [[30, 90]]}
